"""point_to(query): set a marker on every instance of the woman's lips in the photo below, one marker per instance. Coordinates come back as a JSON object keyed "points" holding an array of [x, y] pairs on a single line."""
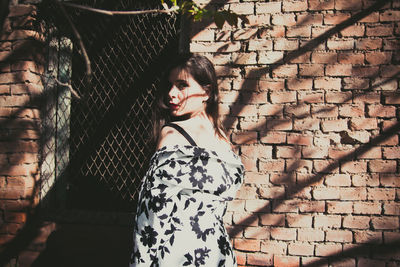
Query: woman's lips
{"points": [[173, 106]]}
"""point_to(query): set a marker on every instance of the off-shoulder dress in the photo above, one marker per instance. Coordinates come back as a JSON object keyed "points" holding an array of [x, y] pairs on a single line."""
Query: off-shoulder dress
{"points": [[182, 201]]}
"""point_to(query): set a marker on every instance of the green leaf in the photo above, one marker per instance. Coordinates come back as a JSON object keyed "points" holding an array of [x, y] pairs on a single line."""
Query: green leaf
{"points": [[219, 20], [232, 19]]}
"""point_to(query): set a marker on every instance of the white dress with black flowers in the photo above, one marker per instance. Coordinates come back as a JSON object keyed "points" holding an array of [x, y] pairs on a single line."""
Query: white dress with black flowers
{"points": [[181, 204]]}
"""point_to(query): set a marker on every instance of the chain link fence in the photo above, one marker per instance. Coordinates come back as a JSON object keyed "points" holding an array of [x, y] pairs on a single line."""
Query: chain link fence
{"points": [[96, 148]]}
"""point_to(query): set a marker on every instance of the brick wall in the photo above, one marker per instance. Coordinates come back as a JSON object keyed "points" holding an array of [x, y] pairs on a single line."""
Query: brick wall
{"points": [[310, 94], [21, 63]]}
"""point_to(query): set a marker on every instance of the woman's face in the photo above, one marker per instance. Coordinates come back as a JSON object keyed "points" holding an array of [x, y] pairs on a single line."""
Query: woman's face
{"points": [[186, 96]]}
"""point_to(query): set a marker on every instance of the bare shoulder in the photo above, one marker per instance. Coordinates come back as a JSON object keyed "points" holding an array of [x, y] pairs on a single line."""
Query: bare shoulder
{"points": [[169, 137]]}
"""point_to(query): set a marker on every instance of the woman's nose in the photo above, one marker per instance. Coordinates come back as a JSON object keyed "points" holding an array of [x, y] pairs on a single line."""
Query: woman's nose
{"points": [[173, 92]]}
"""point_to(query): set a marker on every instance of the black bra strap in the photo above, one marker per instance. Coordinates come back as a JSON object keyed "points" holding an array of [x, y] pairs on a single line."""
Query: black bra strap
{"points": [[183, 132]]}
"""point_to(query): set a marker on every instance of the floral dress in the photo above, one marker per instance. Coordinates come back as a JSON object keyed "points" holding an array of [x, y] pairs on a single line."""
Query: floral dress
{"points": [[182, 201]]}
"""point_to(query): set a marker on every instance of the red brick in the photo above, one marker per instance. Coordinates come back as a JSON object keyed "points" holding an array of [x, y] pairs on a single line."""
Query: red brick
{"points": [[369, 44], [310, 235], [390, 180], [306, 124], [257, 151], [339, 70], [353, 193], [240, 258], [270, 110], [258, 20], [356, 222], [275, 85], [273, 137], [286, 206], [320, 5], [326, 166], [288, 152], [273, 247], [257, 205], [299, 31], [336, 18], [312, 206], [363, 124], [326, 193], [260, 45], [367, 208], [384, 84], [391, 44], [243, 8], [369, 237], [371, 153], [339, 207], [351, 58], [288, 70], [311, 97], [310, 19], [324, 57], [327, 249], [248, 137], [338, 97], [299, 220], [279, 124], [282, 178], [390, 15], [246, 192], [274, 31], [271, 57], [338, 180], [301, 249], [290, 6], [370, 98], [260, 259], [354, 110], [283, 19], [377, 58], [385, 223], [244, 34], [281, 233], [381, 111], [356, 83], [311, 70], [348, 5], [353, 31], [365, 71], [282, 97], [379, 30], [244, 58], [272, 165], [389, 71], [269, 7], [256, 233], [246, 219], [334, 125], [299, 139], [381, 193], [340, 44], [388, 166], [342, 236], [299, 111], [336, 153], [324, 111], [247, 244], [313, 152], [272, 219], [286, 261], [271, 192], [283, 44], [203, 47], [392, 208]]}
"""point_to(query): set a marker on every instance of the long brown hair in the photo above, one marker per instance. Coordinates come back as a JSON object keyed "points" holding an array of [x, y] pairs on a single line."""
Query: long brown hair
{"points": [[202, 70]]}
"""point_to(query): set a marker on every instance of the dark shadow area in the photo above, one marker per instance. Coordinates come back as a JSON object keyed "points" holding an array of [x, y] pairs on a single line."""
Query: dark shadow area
{"points": [[105, 242]]}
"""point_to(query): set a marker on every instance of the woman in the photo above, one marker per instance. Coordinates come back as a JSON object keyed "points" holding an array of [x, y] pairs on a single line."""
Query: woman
{"points": [[192, 175]]}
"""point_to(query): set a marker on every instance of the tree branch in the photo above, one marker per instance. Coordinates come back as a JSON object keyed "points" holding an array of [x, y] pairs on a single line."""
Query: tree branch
{"points": [[111, 13], [79, 39]]}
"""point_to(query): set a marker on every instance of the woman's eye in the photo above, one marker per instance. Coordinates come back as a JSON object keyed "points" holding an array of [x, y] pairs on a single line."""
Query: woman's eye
{"points": [[182, 86]]}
